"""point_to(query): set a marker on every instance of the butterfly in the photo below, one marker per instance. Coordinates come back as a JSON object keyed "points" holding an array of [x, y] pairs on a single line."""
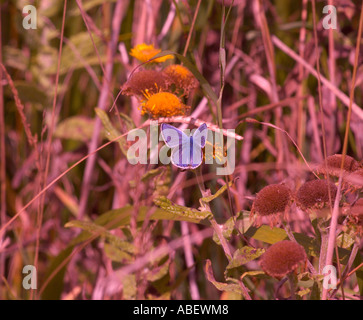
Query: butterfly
{"points": [[186, 151]]}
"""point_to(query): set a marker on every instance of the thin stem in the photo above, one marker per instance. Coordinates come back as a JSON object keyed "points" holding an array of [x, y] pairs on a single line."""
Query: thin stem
{"points": [[335, 214], [217, 228]]}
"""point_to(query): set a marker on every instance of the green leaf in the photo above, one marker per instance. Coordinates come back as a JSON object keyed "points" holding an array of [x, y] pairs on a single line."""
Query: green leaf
{"points": [[187, 214], [95, 229], [129, 287], [241, 222], [54, 288], [116, 254], [244, 255], [28, 92], [231, 287], [110, 132], [78, 128], [158, 272], [217, 194]]}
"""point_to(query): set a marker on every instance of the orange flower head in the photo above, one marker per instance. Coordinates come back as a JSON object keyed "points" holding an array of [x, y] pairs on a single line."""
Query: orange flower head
{"points": [[144, 52], [163, 104]]}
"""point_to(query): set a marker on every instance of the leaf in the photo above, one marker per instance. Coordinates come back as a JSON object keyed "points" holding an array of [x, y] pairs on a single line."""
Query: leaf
{"points": [[54, 288], [115, 254], [95, 229], [158, 272], [220, 285], [181, 211], [28, 92], [129, 287], [254, 273], [217, 194], [110, 132], [240, 223], [244, 255], [78, 128]]}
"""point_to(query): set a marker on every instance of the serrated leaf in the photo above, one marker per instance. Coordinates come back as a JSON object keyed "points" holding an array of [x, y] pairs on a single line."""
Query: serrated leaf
{"points": [[78, 128], [244, 255], [220, 285]]}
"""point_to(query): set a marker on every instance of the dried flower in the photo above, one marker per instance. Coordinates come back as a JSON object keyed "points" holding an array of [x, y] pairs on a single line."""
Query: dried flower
{"points": [[272, 202], [355, 217], [333, 164], [181, 78], [144, 52], [163, 104], [354, 180], [151, 81], [282, 258], [314, 194]]}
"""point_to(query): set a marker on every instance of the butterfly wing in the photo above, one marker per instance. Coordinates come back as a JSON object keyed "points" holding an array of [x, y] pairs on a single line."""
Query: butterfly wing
{"points": [[179, 142], [198, 141]]}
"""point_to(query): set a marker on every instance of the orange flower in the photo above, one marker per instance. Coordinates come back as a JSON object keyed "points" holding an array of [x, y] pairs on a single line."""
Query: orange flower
{"points": [[163, 104], [144, 52]]}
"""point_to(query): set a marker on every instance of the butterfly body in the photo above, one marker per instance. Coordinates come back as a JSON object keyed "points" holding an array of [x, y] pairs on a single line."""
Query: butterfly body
{"points": [[186, 151]]}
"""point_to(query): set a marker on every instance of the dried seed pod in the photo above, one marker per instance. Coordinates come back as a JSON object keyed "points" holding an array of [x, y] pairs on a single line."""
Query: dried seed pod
{"points": [[333, 164], [314, 194], [272, 202], [181, 78], [282, 258], [355, 217], [151, 81]]}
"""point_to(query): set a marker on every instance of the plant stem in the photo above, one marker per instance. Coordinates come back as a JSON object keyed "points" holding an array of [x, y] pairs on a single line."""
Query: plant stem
{"points": [[217, 228]]}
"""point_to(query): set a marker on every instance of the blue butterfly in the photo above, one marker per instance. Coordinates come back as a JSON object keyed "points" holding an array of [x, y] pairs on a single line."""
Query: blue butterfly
{"points": [[186, 151]]}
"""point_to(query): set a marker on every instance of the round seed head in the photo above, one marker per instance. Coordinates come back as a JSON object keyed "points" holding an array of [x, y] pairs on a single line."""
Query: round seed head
{"points": [[333, 164], [272, 199], [314, 194], [143, 81], [282, 258]]}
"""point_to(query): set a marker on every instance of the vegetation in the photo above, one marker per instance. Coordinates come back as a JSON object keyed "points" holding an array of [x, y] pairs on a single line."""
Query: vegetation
{"points": [[96, 223]]}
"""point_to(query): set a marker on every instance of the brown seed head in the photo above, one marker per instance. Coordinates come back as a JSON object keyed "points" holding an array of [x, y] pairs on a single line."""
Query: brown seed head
{"points": [[315, 194], [282, 258], [334, 162], [355, 216], [272, 199], [181, 78], [143, 81]]}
